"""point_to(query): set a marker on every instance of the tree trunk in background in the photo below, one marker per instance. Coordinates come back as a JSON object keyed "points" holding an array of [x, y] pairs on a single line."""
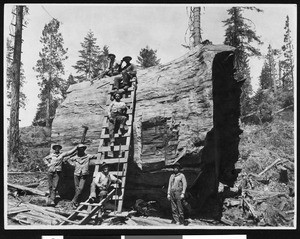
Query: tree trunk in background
{"points": [[197, 26], [48, 107], [13, 151]]}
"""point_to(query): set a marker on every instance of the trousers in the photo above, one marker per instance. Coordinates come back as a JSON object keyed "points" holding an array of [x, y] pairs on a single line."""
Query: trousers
{"points": [[116, 122], [126, 80], [177, 206], [97, 192], [53, 179], [79, 182]]}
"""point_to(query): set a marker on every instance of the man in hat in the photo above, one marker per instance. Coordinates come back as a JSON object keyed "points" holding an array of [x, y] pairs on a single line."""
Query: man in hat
{"points": [[128, 72], [54, 164], [117, 117], [101, 183], [81, 162], [176, 192], [114, 67]]}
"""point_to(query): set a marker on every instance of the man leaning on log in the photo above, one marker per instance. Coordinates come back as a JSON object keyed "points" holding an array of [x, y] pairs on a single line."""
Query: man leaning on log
{"points": [[81, 172], [54, 163]]}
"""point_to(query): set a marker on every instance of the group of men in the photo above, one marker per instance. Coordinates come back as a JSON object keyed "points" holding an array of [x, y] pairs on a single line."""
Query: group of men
{"points": [[117, 116], [101, 181], [123, 74]]}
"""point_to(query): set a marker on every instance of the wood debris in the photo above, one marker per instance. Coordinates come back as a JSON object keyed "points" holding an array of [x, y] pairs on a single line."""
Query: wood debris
{"points": [[27, 189]]}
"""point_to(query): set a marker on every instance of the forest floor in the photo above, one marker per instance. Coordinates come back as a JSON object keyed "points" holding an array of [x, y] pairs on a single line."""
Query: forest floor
{"points": [[263, 194]]}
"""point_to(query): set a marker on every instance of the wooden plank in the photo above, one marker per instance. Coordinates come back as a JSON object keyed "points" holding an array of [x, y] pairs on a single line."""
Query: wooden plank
{"points": [[115, 148], [96, 209], [42, 210], [23, 188], [17, 210], [111, 161], [118, 173], [116, 197]]}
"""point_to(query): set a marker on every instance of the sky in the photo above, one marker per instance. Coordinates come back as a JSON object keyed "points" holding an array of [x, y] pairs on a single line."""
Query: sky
{"points": [[128, 28]]}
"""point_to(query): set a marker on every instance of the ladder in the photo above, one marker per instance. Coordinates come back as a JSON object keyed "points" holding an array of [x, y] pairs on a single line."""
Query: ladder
{"points": [[118, 161]]}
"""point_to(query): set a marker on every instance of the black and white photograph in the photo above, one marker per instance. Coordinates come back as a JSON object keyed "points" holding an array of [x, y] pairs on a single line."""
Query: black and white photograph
{"points": [[150, 116]]}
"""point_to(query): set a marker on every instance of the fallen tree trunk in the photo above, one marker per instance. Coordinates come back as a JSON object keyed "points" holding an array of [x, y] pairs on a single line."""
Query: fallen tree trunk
{"points": [[23, 188]]}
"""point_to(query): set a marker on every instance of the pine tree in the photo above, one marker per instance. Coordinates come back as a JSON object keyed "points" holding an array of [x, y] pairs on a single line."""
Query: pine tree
{"points": [[88, 66], [50, 68], [9, 74], [240, 35], [64, 88], [268, 75], [287, 64], [147, 57]]}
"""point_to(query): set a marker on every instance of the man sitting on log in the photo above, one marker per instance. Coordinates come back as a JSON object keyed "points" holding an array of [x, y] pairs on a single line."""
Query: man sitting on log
{"points": [[81, 172], [114, 67], [128, 72], [117, 117], [101, 183], [54, 163], [176, 191]]}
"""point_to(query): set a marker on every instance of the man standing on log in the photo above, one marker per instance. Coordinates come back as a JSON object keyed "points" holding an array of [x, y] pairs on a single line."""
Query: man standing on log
{"points": [[176, 192], [117, 116], [81, 172], [128, 72], [54, 163], [101, 183]]}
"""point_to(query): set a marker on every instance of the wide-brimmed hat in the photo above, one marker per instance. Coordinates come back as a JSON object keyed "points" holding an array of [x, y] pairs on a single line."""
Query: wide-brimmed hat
{"points": [[56, 146], [176, 165], [81, 146], [127, 58], [117, 92], [104, 165], [111, 55]]}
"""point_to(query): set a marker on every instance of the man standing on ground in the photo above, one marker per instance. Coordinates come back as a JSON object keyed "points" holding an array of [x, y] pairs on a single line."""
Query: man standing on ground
{"points": [[81, 172], [117, 115], [128, 72], [101, 183], [176, 192], [54, 163]]}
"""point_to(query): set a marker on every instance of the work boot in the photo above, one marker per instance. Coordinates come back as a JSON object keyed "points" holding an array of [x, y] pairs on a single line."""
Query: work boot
{"points": [[126, 87], [173, 222]]}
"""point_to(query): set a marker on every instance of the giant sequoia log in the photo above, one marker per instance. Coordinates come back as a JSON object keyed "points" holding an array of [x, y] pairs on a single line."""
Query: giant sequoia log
{"points": [[186, 110]]}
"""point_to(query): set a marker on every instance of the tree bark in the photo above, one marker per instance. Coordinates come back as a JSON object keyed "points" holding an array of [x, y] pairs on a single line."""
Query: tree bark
{"points": [[48, 101], [13, 152], [197, 26]]}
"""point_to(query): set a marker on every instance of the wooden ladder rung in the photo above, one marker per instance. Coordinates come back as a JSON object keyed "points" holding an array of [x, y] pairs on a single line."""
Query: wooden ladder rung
{"points": [[118, 173], [91, 204], [111, 161], [116, 197], [127, 134], [83, 212], [115, 148]]}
